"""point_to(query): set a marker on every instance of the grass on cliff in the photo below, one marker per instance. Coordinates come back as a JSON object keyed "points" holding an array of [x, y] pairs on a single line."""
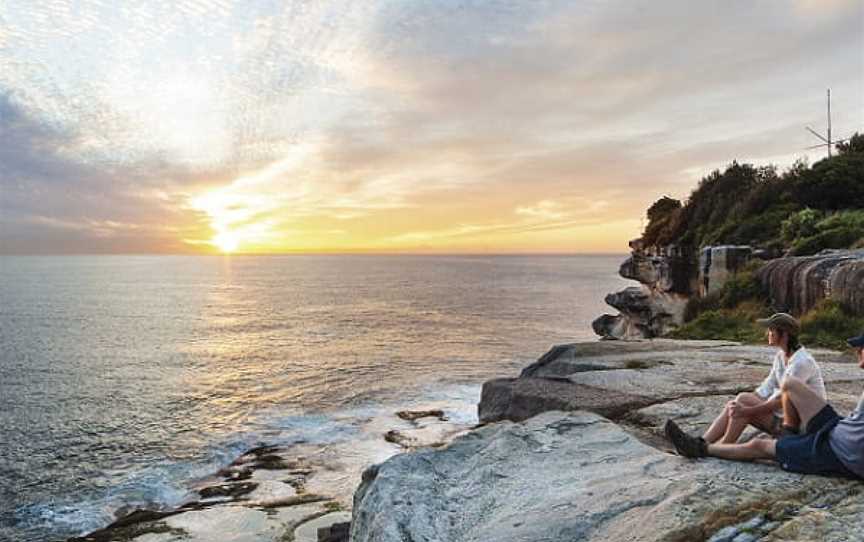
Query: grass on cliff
{"points": [[827, 325], [842, 229], [731, 314], [738, 324]]}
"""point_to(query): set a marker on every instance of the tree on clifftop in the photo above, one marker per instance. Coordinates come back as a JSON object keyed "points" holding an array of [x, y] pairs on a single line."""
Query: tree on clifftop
{"points": [[855, 144], [745, 204], [835, 183], [661, 221]]}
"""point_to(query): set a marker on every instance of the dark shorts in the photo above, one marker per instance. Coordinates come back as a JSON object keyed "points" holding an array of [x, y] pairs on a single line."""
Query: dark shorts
{"points": [[811, 453]]}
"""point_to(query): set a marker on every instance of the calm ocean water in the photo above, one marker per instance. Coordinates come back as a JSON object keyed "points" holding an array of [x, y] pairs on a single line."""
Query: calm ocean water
{"points": [[124, 377]]}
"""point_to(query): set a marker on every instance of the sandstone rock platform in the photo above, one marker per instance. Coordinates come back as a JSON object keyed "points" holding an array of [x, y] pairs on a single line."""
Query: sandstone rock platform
{"points": [[572, 449]]}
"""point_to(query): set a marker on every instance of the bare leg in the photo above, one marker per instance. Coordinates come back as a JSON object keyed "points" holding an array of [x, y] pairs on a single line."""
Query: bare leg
{"points": [[718, 427], [754, 449], [791, 418], [736, 426], [807, 402]]}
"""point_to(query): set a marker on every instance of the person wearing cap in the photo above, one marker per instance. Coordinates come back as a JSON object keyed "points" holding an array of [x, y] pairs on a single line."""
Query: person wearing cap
{"points": [[764, 408], [831, 445]]}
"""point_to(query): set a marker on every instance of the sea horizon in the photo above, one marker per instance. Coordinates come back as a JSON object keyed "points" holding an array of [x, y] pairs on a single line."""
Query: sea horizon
{"points": [[127, 378]]}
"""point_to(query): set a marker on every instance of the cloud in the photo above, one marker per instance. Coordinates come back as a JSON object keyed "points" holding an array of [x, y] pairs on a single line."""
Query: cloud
{"points": [[331, 126]]}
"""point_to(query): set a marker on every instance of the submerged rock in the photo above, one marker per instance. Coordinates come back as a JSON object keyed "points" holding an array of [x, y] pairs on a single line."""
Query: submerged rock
{"points": [[413, 415], [267, 506]]}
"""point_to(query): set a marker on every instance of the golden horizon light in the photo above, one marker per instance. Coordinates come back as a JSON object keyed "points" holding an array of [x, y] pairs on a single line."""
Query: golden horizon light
{"points": [[228, 127]]}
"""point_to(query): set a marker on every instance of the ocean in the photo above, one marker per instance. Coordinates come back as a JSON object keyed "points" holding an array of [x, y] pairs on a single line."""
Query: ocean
{"points": [[123, 378]]}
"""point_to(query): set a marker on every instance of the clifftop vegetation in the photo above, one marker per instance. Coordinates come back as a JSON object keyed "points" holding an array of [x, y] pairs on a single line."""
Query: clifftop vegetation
{"points": [[803, 210], [800, 212]]}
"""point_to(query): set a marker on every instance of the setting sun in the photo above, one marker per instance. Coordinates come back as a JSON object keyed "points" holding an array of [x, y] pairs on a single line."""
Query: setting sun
{"points": [[226, 241]]}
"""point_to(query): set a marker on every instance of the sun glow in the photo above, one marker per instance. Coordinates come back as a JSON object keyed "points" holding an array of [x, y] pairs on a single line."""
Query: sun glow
{"points": [[226, 241], [226, 219]]}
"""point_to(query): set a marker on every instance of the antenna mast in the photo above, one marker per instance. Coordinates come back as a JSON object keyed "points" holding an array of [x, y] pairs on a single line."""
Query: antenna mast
{"points": [[829, 123], [826, 141]]}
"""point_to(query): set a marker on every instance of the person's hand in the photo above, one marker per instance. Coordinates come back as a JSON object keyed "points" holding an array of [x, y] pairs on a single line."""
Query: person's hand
{"points": [[737, 410]]}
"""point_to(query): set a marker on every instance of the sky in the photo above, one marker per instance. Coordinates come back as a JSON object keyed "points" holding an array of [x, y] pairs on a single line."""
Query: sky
{"points": [[258, 126]]}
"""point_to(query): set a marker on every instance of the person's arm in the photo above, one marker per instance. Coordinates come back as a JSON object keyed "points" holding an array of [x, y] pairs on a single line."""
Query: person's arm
{"points": [[769, 405], [802, 367], [771, 384]]}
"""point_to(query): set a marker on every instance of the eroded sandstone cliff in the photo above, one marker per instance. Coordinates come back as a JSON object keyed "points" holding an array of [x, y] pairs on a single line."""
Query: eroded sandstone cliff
{"points": [[797, 284], [669, 279]]}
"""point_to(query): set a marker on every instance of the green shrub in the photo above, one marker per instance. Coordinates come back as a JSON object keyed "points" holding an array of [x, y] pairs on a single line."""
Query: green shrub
{"points": [[838, 230], [829, 325], [854, 144], [697, 305], [745, 204], [732, 325], [801, 224], [833, 183], [661, 220], [744, 286]]}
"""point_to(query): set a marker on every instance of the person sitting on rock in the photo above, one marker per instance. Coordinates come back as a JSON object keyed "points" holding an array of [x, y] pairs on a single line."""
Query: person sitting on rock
{"points": [[831, 445], [764, 408]]}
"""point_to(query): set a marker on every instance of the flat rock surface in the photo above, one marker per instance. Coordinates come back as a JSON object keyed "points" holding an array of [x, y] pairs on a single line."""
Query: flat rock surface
{"points": [[572, 476], [616, 377], [587, 459]]}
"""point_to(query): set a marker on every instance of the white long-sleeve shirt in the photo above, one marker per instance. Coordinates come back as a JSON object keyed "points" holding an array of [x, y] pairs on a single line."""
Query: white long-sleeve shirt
{"points": [[801, 365]]}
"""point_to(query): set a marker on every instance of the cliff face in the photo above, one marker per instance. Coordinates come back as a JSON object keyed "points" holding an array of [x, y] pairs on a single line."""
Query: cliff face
{"points": [[797, 284], [573, 450], [669, 277]]}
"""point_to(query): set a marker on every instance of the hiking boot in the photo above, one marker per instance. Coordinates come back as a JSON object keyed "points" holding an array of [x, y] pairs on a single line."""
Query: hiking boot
{"points": [[685, 444]]}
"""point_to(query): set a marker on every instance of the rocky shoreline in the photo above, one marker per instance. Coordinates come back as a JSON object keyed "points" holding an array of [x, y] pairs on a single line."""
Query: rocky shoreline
{"points": [[296, 493], [571, 449]]}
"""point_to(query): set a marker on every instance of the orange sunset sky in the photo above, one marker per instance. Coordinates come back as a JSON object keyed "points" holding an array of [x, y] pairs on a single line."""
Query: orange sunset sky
{"points": [[206, 126]]}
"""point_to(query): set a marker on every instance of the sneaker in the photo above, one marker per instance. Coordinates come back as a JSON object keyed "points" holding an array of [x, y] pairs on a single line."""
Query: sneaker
{"points": [[685, 444]]}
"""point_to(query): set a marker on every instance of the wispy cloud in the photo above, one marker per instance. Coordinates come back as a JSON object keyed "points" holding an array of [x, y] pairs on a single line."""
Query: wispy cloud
{"points": [[396, 125]]}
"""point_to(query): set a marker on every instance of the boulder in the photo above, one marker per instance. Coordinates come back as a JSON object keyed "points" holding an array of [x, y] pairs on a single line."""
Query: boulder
{"points": [[542, 474], [797, 284], [518, 399], [644, 313], [615, 378], [578, 476], [663, 269]]}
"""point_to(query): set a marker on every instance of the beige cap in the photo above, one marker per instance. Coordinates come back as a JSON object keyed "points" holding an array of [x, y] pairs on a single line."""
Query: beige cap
{"points": [[781, 320]]}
